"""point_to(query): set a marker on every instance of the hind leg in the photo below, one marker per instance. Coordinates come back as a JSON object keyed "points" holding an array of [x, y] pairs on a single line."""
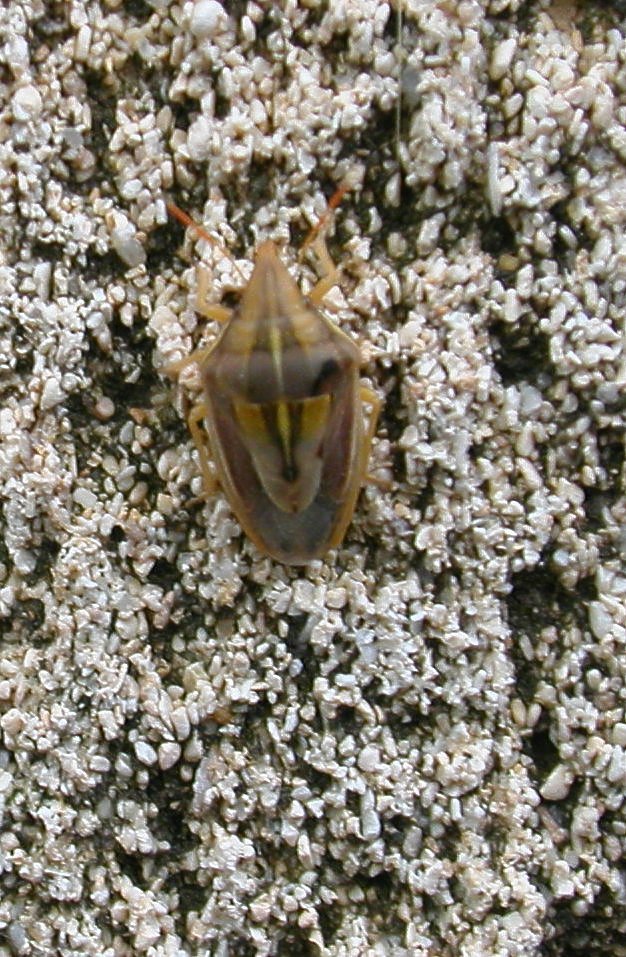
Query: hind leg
{"points": [[198, 434]]}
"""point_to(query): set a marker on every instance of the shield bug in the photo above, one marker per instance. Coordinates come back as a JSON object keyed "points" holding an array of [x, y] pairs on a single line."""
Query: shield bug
{"points": [[283, 418]]}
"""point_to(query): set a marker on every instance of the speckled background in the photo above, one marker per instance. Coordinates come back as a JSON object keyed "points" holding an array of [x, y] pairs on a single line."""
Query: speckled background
{"points": [[417, 747]]}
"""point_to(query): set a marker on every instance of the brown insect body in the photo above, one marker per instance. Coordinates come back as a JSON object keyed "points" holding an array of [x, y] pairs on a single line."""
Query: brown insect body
{"points": [[284, 417], [283, 413]]}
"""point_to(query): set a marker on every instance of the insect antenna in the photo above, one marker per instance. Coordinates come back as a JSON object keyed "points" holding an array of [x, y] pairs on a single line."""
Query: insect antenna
{"points": [[322, 222], [177, 213]]}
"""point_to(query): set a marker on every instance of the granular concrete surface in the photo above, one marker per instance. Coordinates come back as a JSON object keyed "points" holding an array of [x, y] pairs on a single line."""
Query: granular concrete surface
{"points": [[417, 744]]}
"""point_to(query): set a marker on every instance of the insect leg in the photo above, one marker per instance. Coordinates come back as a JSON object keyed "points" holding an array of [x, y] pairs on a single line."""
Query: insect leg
{"points": [[210, 311], [203, 306], [194, 358], [330, 272], [198, 434], [368, 397]]}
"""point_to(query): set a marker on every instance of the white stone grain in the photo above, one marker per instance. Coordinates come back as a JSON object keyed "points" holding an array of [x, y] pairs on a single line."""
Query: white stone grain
{"points": [[26, 103], [502, 57]]}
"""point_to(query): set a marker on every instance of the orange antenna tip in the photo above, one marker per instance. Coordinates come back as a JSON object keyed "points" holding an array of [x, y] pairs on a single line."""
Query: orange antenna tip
{"points": [[177, 213]]}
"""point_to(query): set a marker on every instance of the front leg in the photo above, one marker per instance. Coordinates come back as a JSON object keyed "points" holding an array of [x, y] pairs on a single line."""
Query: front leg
{"points": [[330, 272], [209, 310]]}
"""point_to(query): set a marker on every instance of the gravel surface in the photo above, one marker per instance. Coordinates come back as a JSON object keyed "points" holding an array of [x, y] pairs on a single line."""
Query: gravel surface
{"points": [[415, 747]]}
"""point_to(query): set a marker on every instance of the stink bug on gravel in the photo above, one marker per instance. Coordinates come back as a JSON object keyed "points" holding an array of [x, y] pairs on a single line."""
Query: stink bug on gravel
{"points": [[283, 419]]}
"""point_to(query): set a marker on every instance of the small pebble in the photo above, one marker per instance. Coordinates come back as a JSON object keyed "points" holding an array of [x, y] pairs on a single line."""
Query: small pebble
{"points": [[27, 103]]}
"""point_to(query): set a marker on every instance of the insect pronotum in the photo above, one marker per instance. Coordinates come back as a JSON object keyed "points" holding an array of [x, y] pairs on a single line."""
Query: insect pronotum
{"points": [[283, 419]]}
